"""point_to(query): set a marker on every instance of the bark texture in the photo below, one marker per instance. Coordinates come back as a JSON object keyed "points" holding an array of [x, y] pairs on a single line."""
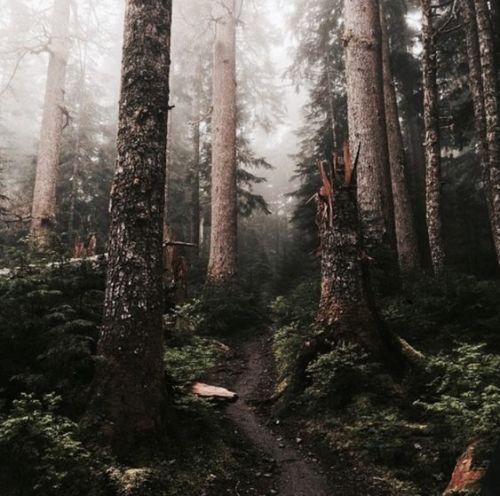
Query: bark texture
{"points": [[347, 311], [195, 169], [432, 141], [222, 266], [406, 235], [44, 195], [491, 107], [129, 377], [366, 114]]}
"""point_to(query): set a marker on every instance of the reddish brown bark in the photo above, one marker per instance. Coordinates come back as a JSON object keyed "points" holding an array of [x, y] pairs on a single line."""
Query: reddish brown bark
{"points": [[222, 264]]}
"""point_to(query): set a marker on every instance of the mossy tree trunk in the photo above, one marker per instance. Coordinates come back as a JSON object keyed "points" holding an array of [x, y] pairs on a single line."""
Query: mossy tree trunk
{"points": [[347, 311], [129, 382]]}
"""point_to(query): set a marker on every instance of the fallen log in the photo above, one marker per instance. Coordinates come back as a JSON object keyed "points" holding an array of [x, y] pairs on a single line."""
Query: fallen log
{"points": [[213, 392]]}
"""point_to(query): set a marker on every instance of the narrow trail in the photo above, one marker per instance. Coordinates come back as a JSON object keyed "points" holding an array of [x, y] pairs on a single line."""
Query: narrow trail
{"points": [[295, 474]]}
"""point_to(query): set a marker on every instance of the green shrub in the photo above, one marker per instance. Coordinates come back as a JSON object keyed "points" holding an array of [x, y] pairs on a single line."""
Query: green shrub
{"points": [[229, 310], [465, 393], [287, 343], [41, 452], [337, 376], [190, 361]]}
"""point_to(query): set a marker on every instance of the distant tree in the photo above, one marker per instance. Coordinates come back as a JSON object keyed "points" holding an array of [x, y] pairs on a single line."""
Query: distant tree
{"points": [[128, 386], [222, 266], [406, 235], [44, 195], [432, 139]]}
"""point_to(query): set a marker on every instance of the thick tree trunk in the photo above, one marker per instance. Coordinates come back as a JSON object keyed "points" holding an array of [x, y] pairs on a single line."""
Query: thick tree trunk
{"points": [[477, 91], [222, 264], [346, 311], [129, 376], [432, 141], [366, 114], [492, 108], [406, 235], [44, 195]]}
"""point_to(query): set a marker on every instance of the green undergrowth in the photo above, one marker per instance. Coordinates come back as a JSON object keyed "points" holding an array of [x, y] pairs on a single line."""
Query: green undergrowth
{"points": [[408, 433], [49, 327]]}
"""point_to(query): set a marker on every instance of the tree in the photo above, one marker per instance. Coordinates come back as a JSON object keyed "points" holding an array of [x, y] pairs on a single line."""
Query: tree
{"points": [[367, 131], [128, 386], [475, 79], [347, 312], [432, 140], [44, 195], [492, 109], [222, 264], [406, 236]]}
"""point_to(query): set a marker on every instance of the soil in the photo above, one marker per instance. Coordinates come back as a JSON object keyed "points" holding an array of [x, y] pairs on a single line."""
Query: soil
{"points": [[281, 465]]}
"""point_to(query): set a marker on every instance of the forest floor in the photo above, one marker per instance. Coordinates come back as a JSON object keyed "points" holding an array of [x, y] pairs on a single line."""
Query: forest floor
{"points": [[283, 460]]}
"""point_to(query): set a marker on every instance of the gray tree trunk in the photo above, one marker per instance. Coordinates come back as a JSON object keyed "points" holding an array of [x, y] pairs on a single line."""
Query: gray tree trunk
{"points": [[432, 141], [222, 266], [366, 113], [44, 195], [128, 387], [492, 108], [406, 235]]}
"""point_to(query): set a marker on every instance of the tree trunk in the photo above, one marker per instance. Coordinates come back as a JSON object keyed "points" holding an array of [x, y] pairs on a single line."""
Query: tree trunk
{"points": [[44, 195], [492, 108], [195, 171], [129, 376], [222, 264], [366, 114], [432, 141], [346, 311], [477, 92], [406, 236]]}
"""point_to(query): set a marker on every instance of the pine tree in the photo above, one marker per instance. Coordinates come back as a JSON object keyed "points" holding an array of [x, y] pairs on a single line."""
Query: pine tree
{"points": [[44, 195], [432, 140], [128, 387], [222, 266]]}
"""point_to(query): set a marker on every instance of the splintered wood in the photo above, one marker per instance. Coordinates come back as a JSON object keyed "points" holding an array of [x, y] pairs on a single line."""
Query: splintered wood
{"points": [[213, 392]]}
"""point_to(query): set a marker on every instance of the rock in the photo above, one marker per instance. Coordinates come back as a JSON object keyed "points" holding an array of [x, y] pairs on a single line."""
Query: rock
{"points": [[464, 477]]}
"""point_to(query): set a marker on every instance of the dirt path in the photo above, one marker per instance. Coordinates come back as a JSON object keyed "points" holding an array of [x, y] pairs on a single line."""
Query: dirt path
{"points": [[295, 474]]}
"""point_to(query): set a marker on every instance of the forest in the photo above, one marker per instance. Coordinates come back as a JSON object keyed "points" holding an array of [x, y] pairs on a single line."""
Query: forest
{"points": [[249, 247]]}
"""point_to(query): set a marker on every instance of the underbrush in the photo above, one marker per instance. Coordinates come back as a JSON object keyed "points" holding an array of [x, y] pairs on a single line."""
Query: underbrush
{"points": [[409, 433], [49, 327]]}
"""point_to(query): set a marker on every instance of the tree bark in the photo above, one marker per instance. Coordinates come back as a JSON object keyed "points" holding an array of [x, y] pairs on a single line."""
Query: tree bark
{"points": [[477, 92], [432, 141], [366, 116], [222, 266], [44, 195], [347, 311], [128, 387], [195, 170], [406, 235], [492, 108]]}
